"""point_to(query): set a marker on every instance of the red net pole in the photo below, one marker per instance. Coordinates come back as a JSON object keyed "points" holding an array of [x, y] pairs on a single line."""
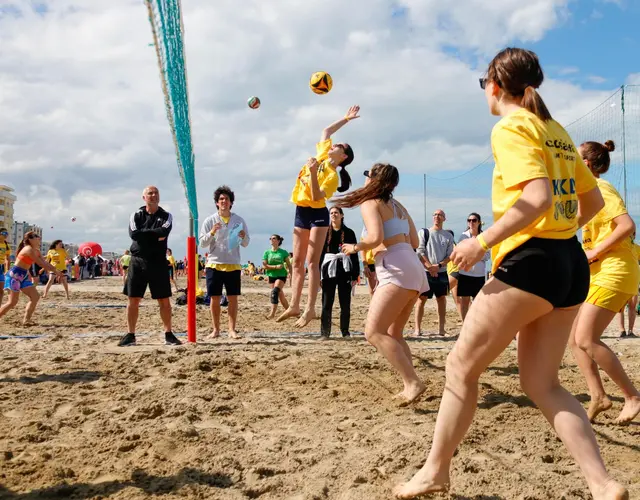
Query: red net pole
{"points": [[192, 282]]}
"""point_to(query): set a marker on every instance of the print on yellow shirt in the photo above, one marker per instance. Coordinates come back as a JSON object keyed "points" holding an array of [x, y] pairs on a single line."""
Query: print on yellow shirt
{"points": [[327, 180], [57, 258], [526, 148], [617, 270]]}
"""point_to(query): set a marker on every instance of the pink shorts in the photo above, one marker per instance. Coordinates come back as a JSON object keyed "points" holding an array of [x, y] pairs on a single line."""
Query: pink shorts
{"points": [[401, 266]]}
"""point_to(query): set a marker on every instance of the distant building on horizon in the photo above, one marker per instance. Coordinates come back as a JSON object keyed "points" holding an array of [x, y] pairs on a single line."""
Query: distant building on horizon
{"points": [[18, 231], [7, 200]]}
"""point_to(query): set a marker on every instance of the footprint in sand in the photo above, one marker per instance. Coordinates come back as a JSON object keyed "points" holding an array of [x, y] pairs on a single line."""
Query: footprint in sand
{"points": [[63, 409], [14, 414]]}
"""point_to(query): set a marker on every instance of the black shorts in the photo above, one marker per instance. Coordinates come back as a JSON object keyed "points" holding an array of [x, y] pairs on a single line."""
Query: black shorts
{"points": [[273, 279], [231, 280], [555, 270], [65, 272], [307, 217], [470, 286], [125, 267], [455, 275], [142, 273], [372, 267], [437, 286]]}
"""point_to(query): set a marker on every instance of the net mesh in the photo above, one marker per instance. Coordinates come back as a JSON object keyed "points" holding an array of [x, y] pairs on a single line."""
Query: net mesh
{"points": [[165, 17], [617, 119]]}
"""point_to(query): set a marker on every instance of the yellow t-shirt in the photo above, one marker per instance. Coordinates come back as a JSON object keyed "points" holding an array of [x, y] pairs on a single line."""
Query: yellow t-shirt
{"points": [[5, 253], [369, 257], [526, 148], [617, 270], [225, 267], [58, 258], [327, 180], [172, 261]]}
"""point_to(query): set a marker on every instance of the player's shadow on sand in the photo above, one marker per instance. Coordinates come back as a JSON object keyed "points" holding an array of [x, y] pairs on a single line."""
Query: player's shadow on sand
{"points": [[79, 377], [151, 485], [478, 497]]}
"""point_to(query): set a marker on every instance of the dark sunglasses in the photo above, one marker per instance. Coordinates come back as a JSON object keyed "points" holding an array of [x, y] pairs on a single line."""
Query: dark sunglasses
{"points": [[472, 220], [366, 173], [4, 233], [483, 83]]}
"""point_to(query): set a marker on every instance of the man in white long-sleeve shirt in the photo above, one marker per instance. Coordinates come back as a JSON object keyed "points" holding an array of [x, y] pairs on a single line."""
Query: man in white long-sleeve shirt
{"points": [[222, 234]]}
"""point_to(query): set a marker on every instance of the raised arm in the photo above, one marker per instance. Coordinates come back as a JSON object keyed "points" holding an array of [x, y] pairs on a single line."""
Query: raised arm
{"points": [[352, 114]]}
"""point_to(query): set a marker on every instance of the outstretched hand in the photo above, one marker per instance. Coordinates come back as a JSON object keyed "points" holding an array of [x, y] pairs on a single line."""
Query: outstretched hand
{"points": [[352, 113]]}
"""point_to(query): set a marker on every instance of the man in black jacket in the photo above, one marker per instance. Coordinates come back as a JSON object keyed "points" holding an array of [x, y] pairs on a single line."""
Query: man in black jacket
{"points": [[149, 228]]}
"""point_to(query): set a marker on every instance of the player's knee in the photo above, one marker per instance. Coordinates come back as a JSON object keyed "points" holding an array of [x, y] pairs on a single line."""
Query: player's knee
{"points": [[275, 294]]}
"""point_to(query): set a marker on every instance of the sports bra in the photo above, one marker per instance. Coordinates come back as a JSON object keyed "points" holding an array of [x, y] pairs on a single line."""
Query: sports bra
{"points": [[395, 225], [25, 259]]}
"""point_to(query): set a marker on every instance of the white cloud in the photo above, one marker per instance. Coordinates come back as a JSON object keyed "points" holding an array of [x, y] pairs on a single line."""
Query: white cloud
{"points": [[83, 110]]}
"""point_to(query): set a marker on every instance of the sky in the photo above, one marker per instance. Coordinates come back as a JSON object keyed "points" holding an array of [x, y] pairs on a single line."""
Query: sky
{"points": [[84, 129]]}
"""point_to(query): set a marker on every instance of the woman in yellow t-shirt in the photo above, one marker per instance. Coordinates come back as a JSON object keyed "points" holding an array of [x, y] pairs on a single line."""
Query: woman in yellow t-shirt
{"points": [[542, 192], [608, 243], [57, 257], [316, 183]]}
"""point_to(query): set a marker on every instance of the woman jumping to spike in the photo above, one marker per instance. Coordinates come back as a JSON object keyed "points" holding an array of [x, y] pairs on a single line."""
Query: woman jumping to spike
{"points": [[392, 236], [608, 241], [316, 183], [533, 238], [277, 266], [17, 278]]}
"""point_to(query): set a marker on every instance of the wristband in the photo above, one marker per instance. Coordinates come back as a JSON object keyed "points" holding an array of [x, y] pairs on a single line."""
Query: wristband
{"points": [[347, 118], [483, 243]]}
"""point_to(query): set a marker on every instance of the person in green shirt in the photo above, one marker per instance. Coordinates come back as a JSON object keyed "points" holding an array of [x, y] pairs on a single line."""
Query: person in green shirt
{"points": [[277, 266], [125, 260]]}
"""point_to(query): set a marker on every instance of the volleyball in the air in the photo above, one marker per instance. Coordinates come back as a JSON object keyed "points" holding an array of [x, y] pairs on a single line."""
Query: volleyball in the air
{"points": [[253, 102], [321, 82]]}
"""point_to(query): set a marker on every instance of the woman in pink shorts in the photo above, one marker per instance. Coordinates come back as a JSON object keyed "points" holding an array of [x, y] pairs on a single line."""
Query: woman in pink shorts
{"points": [[392, 236]]}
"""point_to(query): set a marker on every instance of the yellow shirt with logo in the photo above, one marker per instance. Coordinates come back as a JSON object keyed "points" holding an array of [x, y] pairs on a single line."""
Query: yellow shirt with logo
{"points": [[526, 148], [327, 180], [617, 270], [225, 267], [58, 258]]}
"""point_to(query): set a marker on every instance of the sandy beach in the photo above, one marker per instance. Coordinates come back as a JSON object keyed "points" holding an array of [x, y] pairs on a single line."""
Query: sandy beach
{"points": [[275, 415]]}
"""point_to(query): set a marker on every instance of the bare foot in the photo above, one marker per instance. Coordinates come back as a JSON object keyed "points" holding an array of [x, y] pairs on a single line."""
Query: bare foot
{"points": [[289, 313], [270, 316], [306, 318], [630, 410], [234, 335], [29, 323], [214, 335], [411, 394], [597, 406], [417, 333], [612, 490], [421, 484]]}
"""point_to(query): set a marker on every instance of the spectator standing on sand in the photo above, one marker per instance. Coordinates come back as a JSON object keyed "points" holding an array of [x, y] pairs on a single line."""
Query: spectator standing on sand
{"points": [[149, 228], [222, 234]]}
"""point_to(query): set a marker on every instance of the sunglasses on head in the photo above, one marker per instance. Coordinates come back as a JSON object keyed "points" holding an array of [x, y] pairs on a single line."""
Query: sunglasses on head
{"points": [[366, 173], [483, 83]]}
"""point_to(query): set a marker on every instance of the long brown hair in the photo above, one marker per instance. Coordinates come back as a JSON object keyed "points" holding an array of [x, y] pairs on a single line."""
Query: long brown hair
{"points": [[26, 240], [598, 155], [518, 73], [384, 179]]}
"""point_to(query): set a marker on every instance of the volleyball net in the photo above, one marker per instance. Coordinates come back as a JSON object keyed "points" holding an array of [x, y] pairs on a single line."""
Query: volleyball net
{"points": [[167, 27]]}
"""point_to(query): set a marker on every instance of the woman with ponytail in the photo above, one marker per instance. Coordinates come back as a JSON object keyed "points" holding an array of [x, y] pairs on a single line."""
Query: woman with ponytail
{"points": [[277, 266], [316, 183], [392, 236], [613, 263], [542, 193], [18, 280]]}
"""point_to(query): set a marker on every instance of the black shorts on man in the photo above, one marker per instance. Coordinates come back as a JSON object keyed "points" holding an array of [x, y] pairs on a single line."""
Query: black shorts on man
{"points": [[143, 273], [437, 286], [230, 280]]}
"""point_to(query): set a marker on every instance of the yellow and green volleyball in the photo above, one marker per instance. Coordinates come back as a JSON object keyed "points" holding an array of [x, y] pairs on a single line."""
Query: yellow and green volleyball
{"points": [[321, 82]]}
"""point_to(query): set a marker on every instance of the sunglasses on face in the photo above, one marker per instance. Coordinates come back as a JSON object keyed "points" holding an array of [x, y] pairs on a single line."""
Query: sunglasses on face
{"points": [[483, 83], [4, 233], [472, 220]]}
